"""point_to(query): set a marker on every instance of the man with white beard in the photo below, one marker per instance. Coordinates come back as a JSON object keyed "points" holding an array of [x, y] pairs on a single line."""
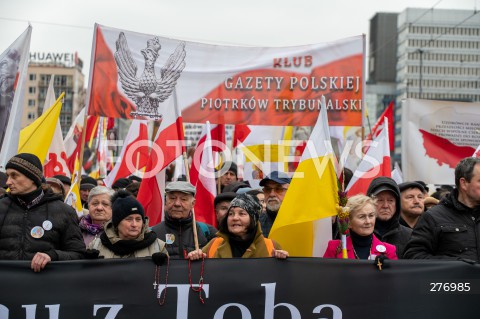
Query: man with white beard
{"points": [[275, 187]]}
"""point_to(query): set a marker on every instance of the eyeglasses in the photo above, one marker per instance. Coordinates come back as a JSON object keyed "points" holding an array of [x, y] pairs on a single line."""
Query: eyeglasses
{"points": [[278, 190]]}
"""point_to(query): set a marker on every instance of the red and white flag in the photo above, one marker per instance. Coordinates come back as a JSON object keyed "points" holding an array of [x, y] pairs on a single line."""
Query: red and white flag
{"points": [[134, 154], [205, 181], [375, 163], [477, 152], [169, 144], [217, 135], [56, 161], [13, 76], [377, 128]]}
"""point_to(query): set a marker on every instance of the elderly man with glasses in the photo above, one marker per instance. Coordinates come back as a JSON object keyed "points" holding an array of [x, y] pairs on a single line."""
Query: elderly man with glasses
{"points": [[275, 187]]}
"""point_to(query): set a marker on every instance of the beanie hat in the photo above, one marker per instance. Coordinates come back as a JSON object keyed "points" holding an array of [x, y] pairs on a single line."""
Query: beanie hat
{"points": [[249, 203], [29, 165], [124, 205], [228, 167], [87, 183], [121, 183]]}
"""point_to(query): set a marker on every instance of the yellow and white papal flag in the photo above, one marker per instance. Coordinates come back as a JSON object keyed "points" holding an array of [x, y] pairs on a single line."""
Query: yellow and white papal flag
{"points": [[303, 225]]}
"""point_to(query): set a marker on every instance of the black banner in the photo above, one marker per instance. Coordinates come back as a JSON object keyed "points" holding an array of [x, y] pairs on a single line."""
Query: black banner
{"points": [[250, 288]]}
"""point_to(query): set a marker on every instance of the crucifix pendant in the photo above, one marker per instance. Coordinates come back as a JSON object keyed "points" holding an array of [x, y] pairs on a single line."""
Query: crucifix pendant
{"points": [[379, 265], [155, 285]]}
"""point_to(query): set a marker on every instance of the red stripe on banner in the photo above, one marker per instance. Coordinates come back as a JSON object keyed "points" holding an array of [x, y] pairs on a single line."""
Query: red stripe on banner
{"points": [[105, 99], [282, 114]]}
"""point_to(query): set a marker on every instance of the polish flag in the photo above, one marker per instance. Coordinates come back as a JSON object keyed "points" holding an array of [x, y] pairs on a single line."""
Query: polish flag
{"points": [[169, 144], [56, 161], [205, 183], [378, 127], [375, 163], [134, 154], [477, 152], [217, 135]]}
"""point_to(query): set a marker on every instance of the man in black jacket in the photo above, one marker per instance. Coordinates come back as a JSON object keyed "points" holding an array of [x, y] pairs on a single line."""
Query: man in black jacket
{"points": [[35, 224], [387, 225], [451, 230], [177, 228]]}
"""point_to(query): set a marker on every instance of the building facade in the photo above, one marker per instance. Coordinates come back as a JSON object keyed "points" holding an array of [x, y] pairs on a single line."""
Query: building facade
{"points": [[423, 54], [68, 77]]}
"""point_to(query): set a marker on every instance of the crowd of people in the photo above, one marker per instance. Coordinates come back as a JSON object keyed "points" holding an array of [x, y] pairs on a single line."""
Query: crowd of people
{"points": [[392, 221]]}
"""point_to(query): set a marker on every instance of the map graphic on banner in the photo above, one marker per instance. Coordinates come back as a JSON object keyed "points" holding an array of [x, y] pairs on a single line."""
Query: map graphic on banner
{"points": [[436, 135], [141, 75]]}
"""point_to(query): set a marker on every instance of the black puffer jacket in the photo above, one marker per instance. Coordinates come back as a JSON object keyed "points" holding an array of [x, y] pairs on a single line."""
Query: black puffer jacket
{"points": [[449, 230], [182, 242], [63, 242], [391, 231]]}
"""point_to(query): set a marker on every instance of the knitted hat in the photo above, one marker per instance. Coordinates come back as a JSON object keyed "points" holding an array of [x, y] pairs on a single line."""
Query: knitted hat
{"points": [[228, 167], [29, 165], [121, 183], [124, 205], [249, 203], [87, 183]]}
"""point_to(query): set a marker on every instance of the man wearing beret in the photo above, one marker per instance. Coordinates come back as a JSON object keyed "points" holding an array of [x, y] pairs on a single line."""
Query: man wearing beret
{"points": [[177, 228], [35, 224], [413, 197]]}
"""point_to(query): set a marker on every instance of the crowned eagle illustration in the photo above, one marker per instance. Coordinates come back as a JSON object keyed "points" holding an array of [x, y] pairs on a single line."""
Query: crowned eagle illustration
{"points": [[148, 91]]}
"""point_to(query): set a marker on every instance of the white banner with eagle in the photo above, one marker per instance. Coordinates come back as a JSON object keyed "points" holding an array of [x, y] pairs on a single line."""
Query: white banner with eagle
{"points": [[136, 75]]}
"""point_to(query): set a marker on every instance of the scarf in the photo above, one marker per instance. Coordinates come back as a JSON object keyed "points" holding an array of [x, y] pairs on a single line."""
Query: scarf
{"points": [[87, 225], [128, 247]]}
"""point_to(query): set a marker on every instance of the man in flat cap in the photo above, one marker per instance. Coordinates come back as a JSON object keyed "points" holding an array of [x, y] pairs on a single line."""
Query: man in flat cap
{"points": [[35, 224], [275, 187], [177, 228], [413, 198]]}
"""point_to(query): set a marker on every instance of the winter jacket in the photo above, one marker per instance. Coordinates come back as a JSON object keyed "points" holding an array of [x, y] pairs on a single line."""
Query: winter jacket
{"points": [[144, 249], [334, 249], [178, 235], [266, 221], [257, 249], [449, 230], [63, 241], [391, 231]]}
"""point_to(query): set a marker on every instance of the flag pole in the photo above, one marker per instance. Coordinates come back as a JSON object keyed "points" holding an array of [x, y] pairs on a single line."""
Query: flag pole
{"points": [[185, 162], [82, 148]]}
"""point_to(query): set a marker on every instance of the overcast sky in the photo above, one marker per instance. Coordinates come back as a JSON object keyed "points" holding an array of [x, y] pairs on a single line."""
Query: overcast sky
{"points": [[67, 26]]}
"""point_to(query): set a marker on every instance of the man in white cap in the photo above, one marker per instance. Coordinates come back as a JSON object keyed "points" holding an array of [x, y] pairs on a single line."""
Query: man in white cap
{"points": [[177, 228]]}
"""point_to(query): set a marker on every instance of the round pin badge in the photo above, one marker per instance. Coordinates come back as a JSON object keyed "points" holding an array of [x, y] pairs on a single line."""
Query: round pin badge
{"points": [[381, 248], [169, 238], [37, 232], [47, 225]]}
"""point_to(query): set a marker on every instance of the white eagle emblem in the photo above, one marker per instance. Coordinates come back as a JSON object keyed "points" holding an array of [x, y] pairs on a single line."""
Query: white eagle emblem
{"points": [[147, 91]]}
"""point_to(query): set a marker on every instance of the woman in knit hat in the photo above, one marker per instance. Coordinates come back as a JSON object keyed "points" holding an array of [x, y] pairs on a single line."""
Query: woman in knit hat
{"points": [[35, 223], [127, 235], [240, 234]]}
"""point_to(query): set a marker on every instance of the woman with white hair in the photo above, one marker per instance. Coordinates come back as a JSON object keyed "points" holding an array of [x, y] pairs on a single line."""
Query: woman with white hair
{"points": [[99, 212]]}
